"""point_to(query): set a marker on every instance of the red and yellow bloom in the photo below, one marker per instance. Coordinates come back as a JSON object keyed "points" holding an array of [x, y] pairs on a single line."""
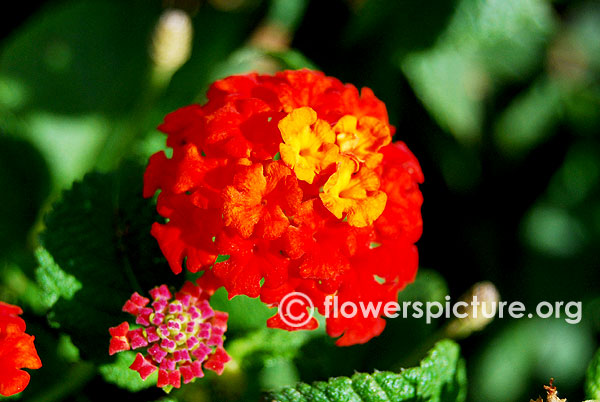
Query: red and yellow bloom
{"points": [[293, 178], [17, 351]]}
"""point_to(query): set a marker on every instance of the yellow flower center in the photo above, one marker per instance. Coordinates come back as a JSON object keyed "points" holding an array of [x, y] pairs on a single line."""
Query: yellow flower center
{"points": [[361, 138], [308, 143], [354, 195]]}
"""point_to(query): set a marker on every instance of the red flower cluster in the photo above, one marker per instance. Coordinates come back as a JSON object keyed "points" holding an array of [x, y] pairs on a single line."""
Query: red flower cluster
{"points": [[16, 351], [180, 336], [293, 180]]}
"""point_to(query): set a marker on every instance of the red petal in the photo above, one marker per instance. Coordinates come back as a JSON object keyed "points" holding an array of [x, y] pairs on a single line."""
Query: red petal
{"points": [[216, 361], [143, 366], [12, 381]]}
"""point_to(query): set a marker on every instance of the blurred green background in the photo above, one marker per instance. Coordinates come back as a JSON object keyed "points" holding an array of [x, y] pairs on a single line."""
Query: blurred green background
{"points": [[498, 99]]}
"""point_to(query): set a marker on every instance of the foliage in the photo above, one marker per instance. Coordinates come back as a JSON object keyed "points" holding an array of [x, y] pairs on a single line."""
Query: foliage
{"points": [[99, 234], [592, 383], [440, 377]]}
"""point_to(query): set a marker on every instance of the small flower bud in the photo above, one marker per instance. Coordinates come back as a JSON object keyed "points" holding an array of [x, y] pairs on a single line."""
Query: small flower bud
{"points": [[172, 41], [482, 304]]}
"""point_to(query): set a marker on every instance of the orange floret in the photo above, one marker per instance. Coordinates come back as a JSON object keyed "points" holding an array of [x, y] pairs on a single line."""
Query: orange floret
{"points": [[362, 138], [261, 199]]}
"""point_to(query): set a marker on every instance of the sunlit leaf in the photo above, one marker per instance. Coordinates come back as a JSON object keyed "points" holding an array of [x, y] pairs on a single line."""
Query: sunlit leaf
{"points": [[245, 313], [53, 281]]}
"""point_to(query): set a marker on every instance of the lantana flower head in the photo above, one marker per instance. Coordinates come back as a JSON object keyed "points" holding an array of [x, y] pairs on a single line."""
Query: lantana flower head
{"points": [[17, 351], [293, 181], [180, 335]]}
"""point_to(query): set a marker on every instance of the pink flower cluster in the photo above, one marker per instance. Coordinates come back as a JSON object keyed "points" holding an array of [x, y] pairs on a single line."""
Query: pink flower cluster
{"points": [[180, 336]]}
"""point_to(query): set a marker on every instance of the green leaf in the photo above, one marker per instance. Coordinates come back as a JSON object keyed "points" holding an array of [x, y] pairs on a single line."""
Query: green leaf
{"points": [[270, 343], [286, 13], [221, 258], [441, 377], [577, 178], [245, 313], [100, 234], [450, 86], [277, 372], [529, 119], [53, 281], [553, 230], [70, 143], [120, 374], [506, 37], [443, 374], [240, 61], [66, 350], [293, 60], [90, 57], [486, 43], [592, 380]]}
